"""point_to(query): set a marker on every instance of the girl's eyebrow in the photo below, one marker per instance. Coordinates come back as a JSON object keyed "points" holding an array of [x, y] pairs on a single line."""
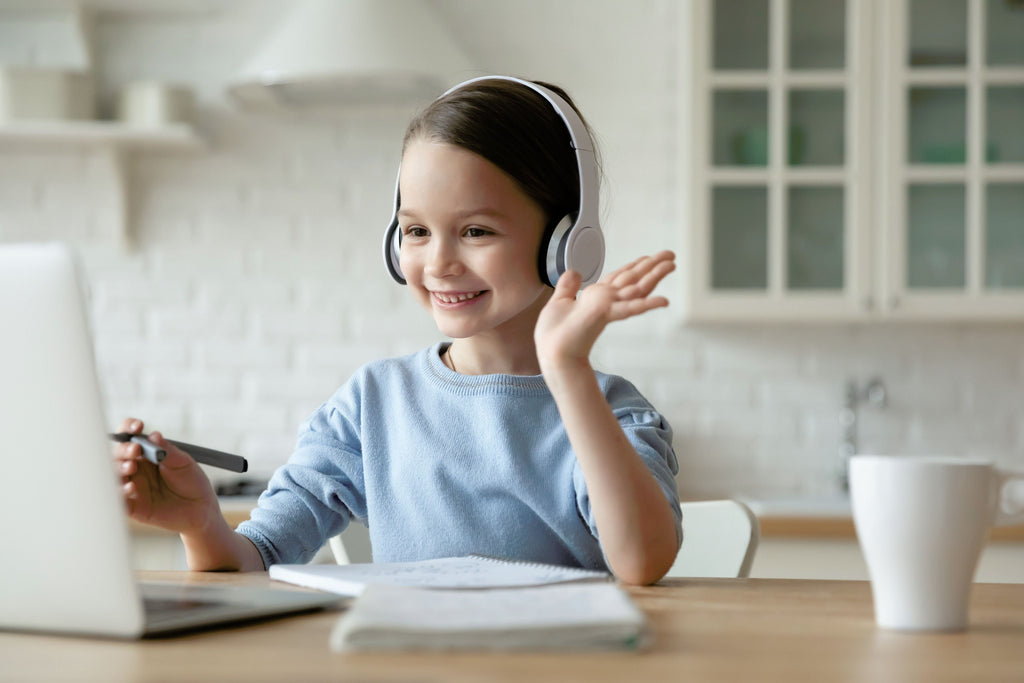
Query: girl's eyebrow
{"points": [[486, 212]]}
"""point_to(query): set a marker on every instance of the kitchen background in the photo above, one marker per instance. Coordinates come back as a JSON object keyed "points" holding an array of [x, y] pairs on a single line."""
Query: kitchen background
{"points": [[245, 281]]}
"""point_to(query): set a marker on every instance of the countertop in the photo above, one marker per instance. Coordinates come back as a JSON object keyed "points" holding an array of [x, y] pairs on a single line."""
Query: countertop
{"points": [[826, 518], [805, 518]]}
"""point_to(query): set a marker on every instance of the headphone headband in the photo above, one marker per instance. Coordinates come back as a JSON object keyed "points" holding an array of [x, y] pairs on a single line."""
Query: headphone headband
{"points": [[573, 243]]}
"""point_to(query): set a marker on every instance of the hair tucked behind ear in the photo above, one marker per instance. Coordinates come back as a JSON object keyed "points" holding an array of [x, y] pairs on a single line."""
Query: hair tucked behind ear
{"points": [[514, 128]]}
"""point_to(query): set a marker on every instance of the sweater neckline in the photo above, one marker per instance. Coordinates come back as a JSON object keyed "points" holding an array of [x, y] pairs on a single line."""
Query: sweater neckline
{"points": [[446, 378]]}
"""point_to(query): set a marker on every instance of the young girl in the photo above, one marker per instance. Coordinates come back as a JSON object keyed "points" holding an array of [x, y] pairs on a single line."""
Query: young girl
{"points": [[504, 442]]}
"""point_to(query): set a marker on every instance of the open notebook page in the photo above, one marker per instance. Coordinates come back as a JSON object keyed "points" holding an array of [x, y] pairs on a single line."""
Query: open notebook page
{"points": [[473, 571]]}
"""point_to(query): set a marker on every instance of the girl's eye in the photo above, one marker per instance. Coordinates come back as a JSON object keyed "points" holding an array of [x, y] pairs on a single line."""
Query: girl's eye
{"points": [[415, 231], [477, 232]]}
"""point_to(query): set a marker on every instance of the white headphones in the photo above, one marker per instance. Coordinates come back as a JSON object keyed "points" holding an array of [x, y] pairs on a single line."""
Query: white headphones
{"points": [[575, 242]]}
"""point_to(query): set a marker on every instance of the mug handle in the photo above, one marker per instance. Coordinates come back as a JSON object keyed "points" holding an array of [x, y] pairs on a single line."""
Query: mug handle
{"points": [[1011, 498]]}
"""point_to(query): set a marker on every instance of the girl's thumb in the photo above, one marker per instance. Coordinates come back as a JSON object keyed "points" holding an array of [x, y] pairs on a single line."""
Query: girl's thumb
{"points": [[568, 285]]}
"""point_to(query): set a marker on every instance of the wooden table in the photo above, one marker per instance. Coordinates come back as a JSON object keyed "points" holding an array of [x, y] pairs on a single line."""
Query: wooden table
{"points": [[703, 630]]}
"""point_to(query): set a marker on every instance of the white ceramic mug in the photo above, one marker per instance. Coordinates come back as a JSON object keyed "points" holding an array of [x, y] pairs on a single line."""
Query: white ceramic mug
{"points": [[922, 522]]}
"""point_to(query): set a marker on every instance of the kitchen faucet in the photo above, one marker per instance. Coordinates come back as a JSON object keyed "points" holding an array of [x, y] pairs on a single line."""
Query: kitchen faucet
{"points": [[873, 393]]}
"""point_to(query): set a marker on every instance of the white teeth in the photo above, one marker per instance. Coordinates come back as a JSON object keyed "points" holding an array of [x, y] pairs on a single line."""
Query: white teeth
{"points": [[457, 298]]}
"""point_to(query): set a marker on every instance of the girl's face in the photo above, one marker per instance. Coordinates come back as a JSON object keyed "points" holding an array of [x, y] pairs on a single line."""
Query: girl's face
{"points": [[470, 237]]}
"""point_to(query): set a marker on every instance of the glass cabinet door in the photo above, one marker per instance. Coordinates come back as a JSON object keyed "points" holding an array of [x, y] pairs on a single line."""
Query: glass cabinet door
{"points": [[958, 97], [1004, 146], [856, 158], [780, 191]]}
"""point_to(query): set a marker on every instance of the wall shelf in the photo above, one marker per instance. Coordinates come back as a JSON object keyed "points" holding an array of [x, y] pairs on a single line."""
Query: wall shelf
{"points": [[111, 143], [148, 7], [179, 137]]}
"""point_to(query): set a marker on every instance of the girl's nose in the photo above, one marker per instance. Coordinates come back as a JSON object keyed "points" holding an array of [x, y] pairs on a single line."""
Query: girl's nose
{"points": [[443, 260]]}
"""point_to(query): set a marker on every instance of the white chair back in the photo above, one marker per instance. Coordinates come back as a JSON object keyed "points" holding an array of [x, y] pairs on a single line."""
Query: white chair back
{"points": [[720, 538], [352, 546]]}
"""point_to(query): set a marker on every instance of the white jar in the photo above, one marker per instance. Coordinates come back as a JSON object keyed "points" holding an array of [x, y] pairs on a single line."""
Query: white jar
{"points": [[155, 104]]}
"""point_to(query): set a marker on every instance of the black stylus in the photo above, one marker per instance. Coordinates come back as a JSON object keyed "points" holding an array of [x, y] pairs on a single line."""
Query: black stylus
{"points": [[206, 456]]}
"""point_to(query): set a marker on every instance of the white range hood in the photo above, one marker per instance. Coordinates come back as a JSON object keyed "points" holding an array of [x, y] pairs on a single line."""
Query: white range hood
{"points": [[330, 52]]}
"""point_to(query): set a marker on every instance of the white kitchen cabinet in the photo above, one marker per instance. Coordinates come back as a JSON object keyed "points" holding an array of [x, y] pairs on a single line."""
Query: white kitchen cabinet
{"points": [[855, 160]]}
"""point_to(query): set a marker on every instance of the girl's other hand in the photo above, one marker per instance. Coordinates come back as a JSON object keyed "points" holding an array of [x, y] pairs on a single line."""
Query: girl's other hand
{"points": [[569, 325], [174, 495]]}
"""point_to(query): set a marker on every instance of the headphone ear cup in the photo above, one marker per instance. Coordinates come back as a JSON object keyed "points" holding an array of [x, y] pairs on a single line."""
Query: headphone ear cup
{"points": [[568, 245], [584, 253], [392, 249], [551, 255]]}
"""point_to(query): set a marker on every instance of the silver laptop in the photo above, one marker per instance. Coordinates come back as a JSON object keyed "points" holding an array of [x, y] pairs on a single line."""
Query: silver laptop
{"points": [[66, 550]]}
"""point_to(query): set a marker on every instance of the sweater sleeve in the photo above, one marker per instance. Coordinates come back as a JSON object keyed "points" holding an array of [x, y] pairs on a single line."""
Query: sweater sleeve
{"points": [[651, 435], [318, 491]]}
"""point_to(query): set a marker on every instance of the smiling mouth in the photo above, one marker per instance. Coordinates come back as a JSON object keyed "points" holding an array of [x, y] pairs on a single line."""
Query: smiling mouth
{"points": [[456, 297]]}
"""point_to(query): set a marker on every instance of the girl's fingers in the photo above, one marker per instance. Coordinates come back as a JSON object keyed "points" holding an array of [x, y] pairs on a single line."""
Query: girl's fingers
{"points": [[131, 425], [625, 275], [128, 451], [128, 497], [651, 279], [636, 271], [627, 309], [632, 272], [648, 282], [568, 285]]}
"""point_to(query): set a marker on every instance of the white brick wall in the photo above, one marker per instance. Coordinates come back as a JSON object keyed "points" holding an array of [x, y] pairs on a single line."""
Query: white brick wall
{"points": [[255, 285]]}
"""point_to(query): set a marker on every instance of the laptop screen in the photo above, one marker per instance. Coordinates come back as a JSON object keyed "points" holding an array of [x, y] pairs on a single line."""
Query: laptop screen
{"points": [[67, 554]]}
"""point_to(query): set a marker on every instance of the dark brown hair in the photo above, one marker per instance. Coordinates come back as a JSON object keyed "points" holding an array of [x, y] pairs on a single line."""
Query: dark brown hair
{"points": [[517, 130]]}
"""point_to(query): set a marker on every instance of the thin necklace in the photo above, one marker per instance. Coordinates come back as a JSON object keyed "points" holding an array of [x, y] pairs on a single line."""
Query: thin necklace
{"points": [[451, 361]]}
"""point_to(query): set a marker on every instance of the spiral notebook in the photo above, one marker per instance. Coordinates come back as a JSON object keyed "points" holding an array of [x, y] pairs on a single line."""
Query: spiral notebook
{"points": [[471, 571], [559, 617]]}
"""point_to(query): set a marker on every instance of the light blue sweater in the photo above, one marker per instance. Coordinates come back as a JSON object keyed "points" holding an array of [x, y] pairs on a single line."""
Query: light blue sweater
{"points": [[439, 464]]}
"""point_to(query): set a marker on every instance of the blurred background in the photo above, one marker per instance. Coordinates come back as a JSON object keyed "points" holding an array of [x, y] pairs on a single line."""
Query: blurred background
{"points": [[843, 181]]}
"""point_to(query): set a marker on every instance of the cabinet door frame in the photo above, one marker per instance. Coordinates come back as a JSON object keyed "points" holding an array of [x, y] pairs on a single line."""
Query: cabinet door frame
{"points": [[776, 302], [973, 301], [876, 175]]}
